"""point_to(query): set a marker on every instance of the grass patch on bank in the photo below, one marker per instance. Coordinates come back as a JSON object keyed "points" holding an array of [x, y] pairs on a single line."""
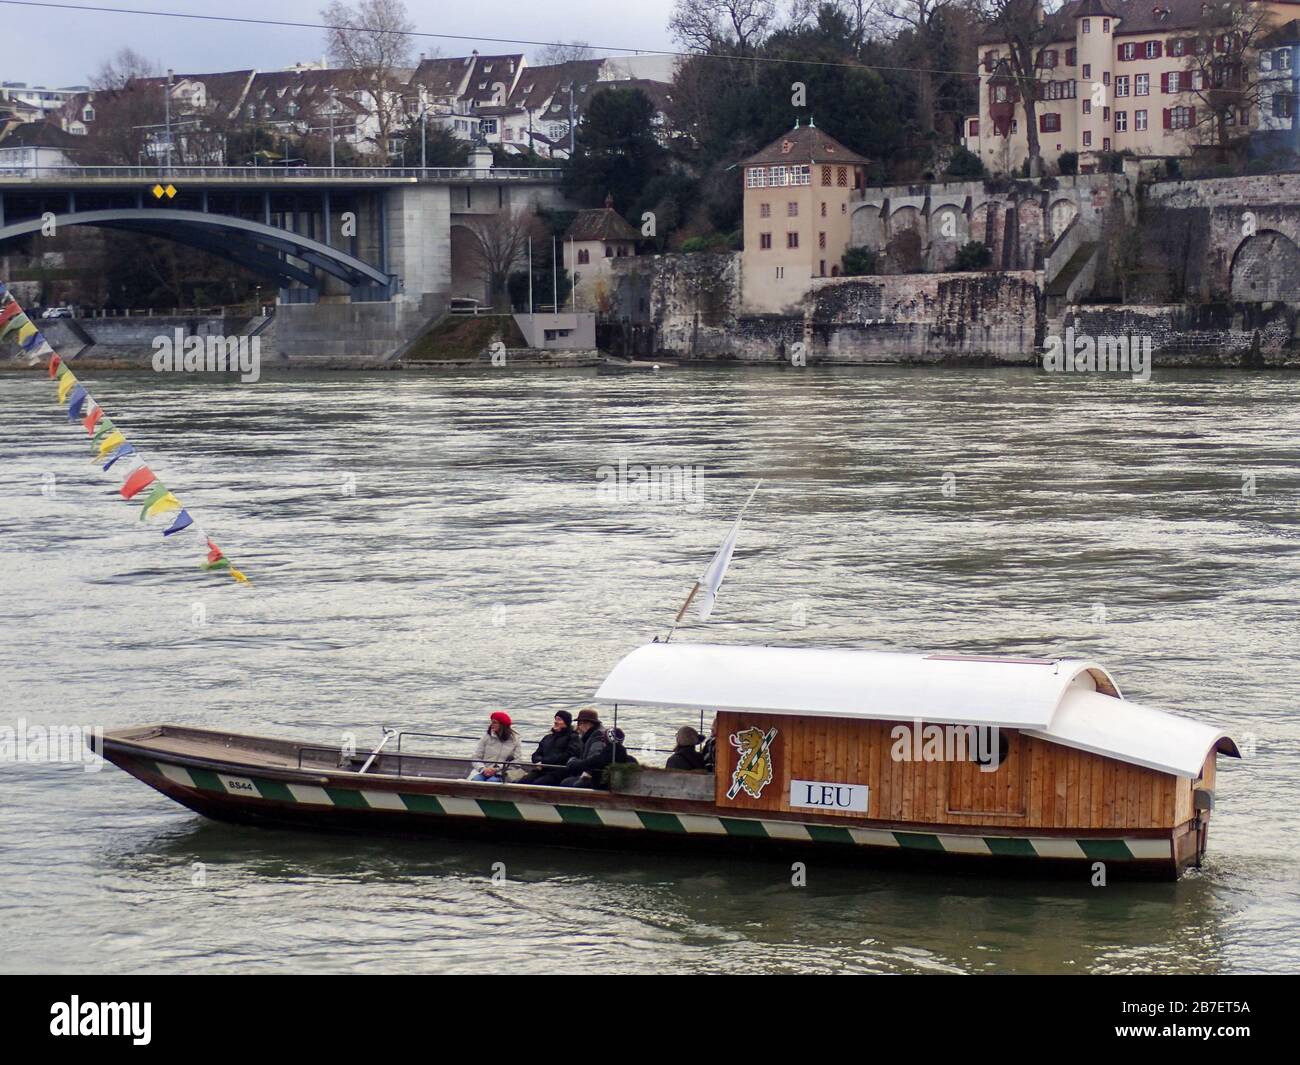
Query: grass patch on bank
{"points": [[464, 337]]}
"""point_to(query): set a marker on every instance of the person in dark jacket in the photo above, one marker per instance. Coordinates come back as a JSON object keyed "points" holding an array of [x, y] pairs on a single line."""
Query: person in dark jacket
{"points": [[599, 749], [554, 751], [684, 755], [710, 751]]}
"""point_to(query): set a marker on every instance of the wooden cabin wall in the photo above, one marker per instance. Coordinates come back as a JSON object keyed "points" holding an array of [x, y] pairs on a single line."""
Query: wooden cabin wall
{"points": [[1041, 785]]}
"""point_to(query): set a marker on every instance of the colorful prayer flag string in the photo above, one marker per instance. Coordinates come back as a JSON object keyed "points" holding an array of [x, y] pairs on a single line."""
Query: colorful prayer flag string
{"points": [[107, 441]]}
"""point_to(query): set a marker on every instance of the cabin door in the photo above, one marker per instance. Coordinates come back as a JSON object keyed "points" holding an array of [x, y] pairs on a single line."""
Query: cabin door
{"points": [[974, 788]]}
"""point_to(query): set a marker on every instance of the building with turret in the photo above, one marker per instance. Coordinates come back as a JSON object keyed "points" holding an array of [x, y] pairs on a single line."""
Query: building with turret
{"points": [[1126, 75]]}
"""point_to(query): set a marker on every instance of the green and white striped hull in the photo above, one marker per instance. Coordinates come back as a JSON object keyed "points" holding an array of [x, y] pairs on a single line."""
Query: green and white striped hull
{"points": [[428, 806]]}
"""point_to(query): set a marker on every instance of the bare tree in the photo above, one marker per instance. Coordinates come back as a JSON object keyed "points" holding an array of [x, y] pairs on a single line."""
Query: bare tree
{"points": [[862, 16], [371, 43], [498, 246], [124, 67], [722, 27], [1021, 26], [1222, 74], [922, 20], [552, 55]]}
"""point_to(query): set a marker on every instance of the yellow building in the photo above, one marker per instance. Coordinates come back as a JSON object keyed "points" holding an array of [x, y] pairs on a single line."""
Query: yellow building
{"points": [[1116, 75], [797, 218]]}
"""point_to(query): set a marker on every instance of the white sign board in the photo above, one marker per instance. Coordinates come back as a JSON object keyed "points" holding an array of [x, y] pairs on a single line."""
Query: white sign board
{"points": [[822, 795]]}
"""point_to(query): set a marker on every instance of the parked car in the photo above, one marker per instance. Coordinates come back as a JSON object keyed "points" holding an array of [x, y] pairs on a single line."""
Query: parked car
{"points": [[57, 312]]}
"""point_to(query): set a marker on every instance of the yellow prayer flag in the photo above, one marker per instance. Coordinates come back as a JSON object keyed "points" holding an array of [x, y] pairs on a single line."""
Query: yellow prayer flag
{"points": [[238, 576], [25, 332], [110, 441], [66, 384], [162, 505]]}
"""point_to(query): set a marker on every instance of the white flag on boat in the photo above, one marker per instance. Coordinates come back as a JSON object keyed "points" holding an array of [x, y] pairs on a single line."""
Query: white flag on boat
{"points": [[712, 579]]}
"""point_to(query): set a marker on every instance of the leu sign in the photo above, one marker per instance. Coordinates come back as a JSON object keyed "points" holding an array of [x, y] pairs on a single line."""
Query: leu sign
{"points": [[821, 795]]}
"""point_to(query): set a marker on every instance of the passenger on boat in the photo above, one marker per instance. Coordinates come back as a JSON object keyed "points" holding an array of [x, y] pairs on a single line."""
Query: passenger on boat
{"points": [[599, 749], [498, 746], [710, 751], [554, 751], [684, 755]]}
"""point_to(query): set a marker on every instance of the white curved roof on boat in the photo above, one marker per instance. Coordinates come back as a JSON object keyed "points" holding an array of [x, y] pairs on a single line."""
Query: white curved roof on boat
{"points": [[1133, 733], [831, 682], [1065, 701]]}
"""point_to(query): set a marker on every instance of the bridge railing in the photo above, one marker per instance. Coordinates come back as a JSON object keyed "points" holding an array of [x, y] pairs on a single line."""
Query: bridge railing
{"points": [[260, 174]]}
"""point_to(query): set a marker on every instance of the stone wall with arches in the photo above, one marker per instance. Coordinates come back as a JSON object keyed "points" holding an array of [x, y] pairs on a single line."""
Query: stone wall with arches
{"points": [[919, 228]]}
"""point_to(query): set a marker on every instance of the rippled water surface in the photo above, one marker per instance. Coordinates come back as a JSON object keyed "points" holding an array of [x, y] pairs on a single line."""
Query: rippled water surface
{"points": [[427, 549]]}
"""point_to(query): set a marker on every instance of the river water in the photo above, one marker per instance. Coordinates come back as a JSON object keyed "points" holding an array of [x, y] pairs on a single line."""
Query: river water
{"points": [[426, 549]]}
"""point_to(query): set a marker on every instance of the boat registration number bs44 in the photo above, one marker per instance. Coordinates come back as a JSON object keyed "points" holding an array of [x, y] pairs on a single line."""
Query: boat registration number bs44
{"points": [[822, 795]]}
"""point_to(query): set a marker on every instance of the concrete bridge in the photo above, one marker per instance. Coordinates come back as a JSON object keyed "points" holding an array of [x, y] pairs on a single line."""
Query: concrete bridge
{"points": [[343, 234]]}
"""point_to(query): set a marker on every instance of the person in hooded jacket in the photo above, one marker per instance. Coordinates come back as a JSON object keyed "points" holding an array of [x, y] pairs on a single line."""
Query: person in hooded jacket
{"points": [[499, 746], [554, 751]]}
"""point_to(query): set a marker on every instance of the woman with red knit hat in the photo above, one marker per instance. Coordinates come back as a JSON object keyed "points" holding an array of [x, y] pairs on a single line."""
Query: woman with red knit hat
{"points": [[498, 746]]}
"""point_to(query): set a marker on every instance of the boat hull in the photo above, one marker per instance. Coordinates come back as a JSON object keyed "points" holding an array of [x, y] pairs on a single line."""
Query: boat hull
{"points": [[239, 792]]}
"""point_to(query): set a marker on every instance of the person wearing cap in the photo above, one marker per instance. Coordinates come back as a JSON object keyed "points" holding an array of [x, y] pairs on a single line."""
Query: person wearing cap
{"points": [[498, 746], [589, 771], [554, 751], [684, 755], [582, 769]]}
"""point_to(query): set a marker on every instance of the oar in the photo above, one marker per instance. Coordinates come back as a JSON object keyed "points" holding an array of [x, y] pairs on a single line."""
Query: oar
{"points": [[389, 733]]}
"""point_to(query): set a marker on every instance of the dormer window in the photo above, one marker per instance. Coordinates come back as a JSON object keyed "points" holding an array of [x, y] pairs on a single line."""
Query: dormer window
{"points": [[87, 114]]}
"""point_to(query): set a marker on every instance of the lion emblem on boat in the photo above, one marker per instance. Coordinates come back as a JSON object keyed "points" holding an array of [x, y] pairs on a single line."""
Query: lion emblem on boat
{"points": [[754, 767]]}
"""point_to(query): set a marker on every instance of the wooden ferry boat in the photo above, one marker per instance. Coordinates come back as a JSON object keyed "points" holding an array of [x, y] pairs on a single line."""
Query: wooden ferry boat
{"points": [[992, 764]]}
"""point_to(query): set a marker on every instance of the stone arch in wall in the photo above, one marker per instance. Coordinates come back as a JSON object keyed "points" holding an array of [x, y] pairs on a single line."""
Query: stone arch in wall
{"points": [[905, 251], [866, 227], [949, 230], [1061, 213], [1266, 267], [466, 281]]}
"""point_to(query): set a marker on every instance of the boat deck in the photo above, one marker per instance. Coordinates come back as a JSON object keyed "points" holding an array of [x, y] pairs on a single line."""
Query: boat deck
{"points": [[251, 753]]}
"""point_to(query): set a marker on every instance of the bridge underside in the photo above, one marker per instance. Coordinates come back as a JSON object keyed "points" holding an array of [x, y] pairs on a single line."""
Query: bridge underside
{"points": [[295, 261]]}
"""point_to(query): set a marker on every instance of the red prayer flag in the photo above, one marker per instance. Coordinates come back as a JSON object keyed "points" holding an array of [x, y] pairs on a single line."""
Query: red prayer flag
{"points": [[214, 552], [9, 310], [92, 419], [142, 478], [54, 365]]}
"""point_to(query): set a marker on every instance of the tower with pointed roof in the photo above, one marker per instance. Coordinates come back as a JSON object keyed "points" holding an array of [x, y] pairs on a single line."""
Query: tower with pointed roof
{"points": [[797, 215], [1116, 76]]}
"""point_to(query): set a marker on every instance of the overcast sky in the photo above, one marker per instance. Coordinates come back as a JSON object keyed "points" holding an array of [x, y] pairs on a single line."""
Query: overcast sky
{"points": [[56, 48]]}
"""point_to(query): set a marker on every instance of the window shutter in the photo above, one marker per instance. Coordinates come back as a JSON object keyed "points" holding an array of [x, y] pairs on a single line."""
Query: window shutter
{"points": [[1164, 83], [1042, 123], [1191, 118], [1166, 113], [1159, 49]]}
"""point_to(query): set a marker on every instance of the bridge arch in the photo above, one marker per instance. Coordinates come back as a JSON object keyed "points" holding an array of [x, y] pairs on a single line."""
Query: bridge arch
{"points": [[240, 240], [1266, 267]]}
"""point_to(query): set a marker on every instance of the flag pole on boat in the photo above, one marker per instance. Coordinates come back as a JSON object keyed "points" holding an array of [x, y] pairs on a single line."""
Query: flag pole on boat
{"points": [[712, 579]]}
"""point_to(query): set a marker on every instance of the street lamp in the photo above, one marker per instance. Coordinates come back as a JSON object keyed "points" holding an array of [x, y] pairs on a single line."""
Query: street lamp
{"points": [[167, 113], [333, 100], [423, 147]]}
